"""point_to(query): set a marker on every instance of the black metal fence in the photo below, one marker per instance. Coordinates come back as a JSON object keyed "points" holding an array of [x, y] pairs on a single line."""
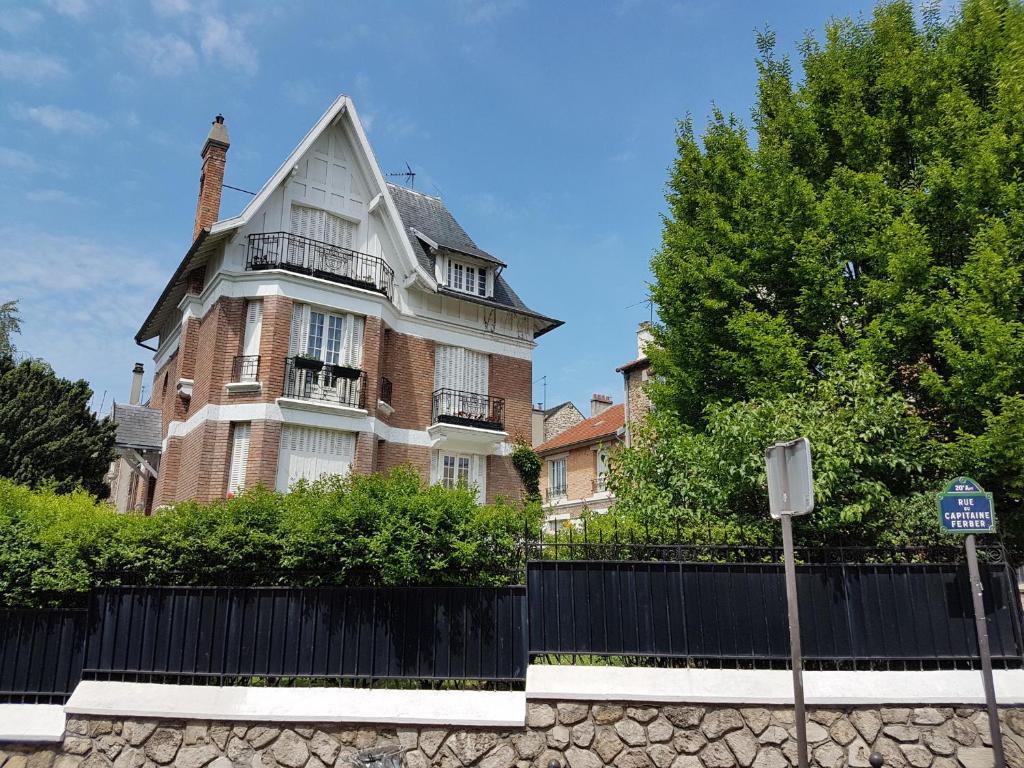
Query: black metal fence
{"points": [[40, 654], [280, 634], [285, 250], [904, 615]]}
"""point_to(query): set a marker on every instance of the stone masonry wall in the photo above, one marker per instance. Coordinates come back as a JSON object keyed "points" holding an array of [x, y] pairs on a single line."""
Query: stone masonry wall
{"points": [[576, 734]]}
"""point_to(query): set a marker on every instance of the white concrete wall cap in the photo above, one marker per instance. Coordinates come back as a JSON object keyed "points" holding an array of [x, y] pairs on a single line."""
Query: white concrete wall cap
{"points": [[492, 709], [31, 722]]}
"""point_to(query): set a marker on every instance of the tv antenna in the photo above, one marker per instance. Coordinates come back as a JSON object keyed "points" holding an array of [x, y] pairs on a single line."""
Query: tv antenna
{"points": [[408, 174]]}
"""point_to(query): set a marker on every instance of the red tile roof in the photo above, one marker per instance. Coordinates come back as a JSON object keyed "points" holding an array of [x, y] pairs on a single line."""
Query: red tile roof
{"points": [[603, 425]]}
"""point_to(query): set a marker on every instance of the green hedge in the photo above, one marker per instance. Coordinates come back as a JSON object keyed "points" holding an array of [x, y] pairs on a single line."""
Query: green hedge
{"points": [[378, 529]]}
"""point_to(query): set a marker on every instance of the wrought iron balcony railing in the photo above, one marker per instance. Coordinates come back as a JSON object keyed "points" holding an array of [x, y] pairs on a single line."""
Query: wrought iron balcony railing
{"points": [[245, 368], [308, 379], [284, 250], [468, 409], [556, 492], [385, 390]]}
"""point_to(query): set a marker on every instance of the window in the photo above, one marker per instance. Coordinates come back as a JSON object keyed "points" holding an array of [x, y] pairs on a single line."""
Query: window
{"points": [[454, 469], [601, 461], [467, 278], [317, 224], [344, 336], [463, 374], [239, 457], [557, 481], [251, 339]]}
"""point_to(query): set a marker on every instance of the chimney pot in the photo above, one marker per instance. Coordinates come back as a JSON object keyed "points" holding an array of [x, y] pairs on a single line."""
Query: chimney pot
{"points": [[599, 404]]}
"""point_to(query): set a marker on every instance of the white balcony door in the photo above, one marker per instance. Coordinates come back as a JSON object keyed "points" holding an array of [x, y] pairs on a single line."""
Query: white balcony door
{"points": [[239, 461], [467, 373], [251, 339], [308, 453], [318, 224]]}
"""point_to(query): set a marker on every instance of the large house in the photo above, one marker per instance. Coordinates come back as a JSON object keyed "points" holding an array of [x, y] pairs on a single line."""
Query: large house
{"points": [[338, 323]]}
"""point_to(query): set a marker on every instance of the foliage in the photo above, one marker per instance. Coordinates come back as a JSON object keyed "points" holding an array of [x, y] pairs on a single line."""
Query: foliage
{"points": [[528, 465], [365, 529], [876, 223], [47, 432], [10, 324], [875, 469]]}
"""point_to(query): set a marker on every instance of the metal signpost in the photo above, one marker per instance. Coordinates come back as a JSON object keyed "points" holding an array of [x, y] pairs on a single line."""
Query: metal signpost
{"points": [[964, 507], [791, 492]]}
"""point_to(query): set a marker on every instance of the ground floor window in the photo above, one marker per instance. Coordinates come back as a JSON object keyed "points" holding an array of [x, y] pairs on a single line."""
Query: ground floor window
{"points": [[557, 478], [309, 453], [452, 469]]}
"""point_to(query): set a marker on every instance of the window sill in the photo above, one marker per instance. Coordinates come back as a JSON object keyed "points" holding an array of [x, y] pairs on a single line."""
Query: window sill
{"points": [[384, 408], [242, 387]]}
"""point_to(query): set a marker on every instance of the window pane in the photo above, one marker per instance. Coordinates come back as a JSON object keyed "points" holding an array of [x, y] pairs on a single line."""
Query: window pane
{"points": [[335, 333], [457, 283], [464, 470], [448, 471], [481, 277], [315, 339]]}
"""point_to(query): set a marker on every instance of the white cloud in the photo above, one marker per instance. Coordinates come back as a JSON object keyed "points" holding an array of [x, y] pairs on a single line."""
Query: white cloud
{"points": [[16, 21], [16, 160], [73, 8], [31, 67], [164, 55], [485, 11], [52, 196], [59, 120], [226, 42], [171, 7]]}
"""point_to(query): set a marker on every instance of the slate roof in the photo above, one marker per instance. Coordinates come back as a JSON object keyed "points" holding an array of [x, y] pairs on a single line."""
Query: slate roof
{"points": [[604, 425], [556, 408], [429, 216], [138, 427]]}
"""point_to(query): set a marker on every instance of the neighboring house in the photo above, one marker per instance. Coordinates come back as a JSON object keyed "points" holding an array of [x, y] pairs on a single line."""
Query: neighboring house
{"points": [[575, 472], [634, 378], [551, 422], [132, 476], [337, 323]]}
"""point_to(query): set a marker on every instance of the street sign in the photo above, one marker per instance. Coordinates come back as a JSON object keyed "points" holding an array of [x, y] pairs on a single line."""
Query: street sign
{"points": [[964, 507], [790, 479]]}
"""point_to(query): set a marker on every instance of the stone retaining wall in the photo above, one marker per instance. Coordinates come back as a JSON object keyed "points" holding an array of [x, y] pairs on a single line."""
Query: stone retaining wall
{"points": [[576, 734]]}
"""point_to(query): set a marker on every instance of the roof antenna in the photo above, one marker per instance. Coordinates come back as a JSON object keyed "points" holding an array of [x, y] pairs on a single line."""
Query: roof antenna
{"points": [[408, 174]]}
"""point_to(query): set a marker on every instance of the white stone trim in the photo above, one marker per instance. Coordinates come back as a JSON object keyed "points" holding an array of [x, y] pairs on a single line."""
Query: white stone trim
{"points": [[320, 406], [491, 709], [764, 686], [325, 293], [299, 412], [31, 722], [242, 387]]}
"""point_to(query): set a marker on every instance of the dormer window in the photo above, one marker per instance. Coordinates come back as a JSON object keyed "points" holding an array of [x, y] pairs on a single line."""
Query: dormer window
{"points": [[467, 278]]}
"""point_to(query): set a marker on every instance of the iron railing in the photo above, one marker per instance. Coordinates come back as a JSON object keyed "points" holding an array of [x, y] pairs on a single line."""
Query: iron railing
{"points": [[40, 654], [468, 409], [307, 379], [296, 253], [385, 390], [245, 368], [555, 492], [600, 483]]}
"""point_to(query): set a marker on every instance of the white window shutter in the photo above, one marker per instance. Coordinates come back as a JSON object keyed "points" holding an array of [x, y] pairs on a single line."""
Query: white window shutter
{"points": [[239, 457], [253, 326], [355, 346], [295, 338], [479, 477], [435, 470]]}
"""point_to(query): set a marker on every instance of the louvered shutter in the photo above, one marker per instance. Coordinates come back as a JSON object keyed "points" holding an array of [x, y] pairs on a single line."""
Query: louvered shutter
{"points": [[478, 477], [253, 326], [239, 457], [354, 350], [297, 339]]}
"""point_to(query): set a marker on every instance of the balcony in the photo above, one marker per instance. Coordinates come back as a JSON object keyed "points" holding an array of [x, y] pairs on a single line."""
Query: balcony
{"points": [[295, 253], [318, 382], [468, 409]]}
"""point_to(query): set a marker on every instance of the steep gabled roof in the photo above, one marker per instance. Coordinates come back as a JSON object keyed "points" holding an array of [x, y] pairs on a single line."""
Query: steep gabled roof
{"points": [[601, 427], [137, 426]]}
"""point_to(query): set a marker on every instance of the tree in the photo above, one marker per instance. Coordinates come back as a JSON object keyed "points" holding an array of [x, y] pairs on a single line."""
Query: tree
{"points": [[47, 432], [877, 221], [528, 465], [10, 324]]}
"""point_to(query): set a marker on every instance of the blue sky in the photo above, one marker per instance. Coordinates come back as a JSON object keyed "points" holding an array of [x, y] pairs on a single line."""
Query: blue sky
{"points": [[548, 129]]}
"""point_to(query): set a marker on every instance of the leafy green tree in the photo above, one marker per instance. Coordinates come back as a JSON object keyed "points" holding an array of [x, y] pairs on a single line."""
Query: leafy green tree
{"points": [[47, 432], [877, 221], [10, 324]]}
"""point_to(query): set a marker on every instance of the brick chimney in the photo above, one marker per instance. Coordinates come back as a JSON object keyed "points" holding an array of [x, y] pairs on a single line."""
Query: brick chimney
{"points": [[136, 392], [215, 156], [599, 404]]}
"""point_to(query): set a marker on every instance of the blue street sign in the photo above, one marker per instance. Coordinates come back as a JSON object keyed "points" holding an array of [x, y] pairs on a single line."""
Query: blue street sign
{"points": [[964, 507]]}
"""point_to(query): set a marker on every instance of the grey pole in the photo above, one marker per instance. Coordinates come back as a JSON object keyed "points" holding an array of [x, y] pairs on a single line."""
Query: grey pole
{"points": [[983, 650], [794, 640]]}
